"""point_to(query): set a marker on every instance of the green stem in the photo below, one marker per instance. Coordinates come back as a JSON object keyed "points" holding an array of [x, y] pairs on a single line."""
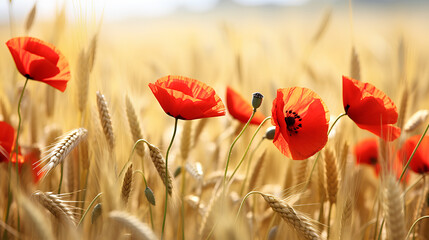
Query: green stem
{"points": [[318, 154], [131, 155], [182, 196], [248, 146], [242, 202], [381, 229], [150, 208], [412, 154], [329, 220], [87, 210], [61, 177], [248, 165], [414, 224], [166, 177], [233, 143]]}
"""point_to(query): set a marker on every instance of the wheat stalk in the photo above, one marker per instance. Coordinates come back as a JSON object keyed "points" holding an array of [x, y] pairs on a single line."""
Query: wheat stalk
{"points": [[138, 229], [30, 18], [92, 48], [185, 143], [106, 120], [82, 75], [54, 204], [61, 149], [134, 126], [331, 175], [300, 223], [126, 184], [403, 107], [159, 162], [355, 65], [416, 120], [256, 172], [394, 209]]}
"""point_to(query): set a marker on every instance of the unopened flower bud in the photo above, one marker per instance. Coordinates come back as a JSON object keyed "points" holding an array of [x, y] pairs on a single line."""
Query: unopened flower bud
{"points": [[269, 134], [257, 100]]}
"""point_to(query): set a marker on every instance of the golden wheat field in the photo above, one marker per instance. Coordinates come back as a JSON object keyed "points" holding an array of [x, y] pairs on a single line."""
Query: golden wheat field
{"points": [[105, 159]]}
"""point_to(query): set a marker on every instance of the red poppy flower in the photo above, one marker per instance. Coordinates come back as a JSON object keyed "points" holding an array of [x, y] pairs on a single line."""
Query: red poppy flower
{"points": [[240, 109], [40, 61], [186, 98], [366, 152], [302, 120], [370, 108], [7, 140], [420, 161]]}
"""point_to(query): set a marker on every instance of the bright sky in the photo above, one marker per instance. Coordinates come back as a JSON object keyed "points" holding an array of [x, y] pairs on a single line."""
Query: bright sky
{"points": [[118, 9]]}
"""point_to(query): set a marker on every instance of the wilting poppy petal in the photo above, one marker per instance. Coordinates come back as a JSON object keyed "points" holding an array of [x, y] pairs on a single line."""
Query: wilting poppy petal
{"points": [[187, 98], [420, 161], [370, 108], [7, 140], [240, 109], [302, 120], [40, 61]]}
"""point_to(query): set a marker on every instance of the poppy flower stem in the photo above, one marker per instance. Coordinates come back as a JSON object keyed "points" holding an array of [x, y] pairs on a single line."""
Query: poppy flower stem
{"points": [[247, 149], [166, 177], [412, 154], [318, 154], [250, 163], [233, 143]]}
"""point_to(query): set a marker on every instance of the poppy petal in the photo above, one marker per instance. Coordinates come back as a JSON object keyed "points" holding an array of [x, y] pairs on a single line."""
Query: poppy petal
{"points": [[420, 161], [40, 61], [302, 120], [187, 98], [7, 140], [365, 104]]}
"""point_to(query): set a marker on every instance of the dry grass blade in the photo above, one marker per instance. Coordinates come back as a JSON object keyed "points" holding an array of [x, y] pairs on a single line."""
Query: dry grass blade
{"points": [[300, 223], [343, 158], [127, 183], [199, 129], [323, 25], [134, 126], [394, 209], [61, 149], [92, 49], [138, 229], [52, 202], [331, 175], [106, 120], [403, 107], [82, 75], [416, 120], [159, 162], [355, 65], [185, 144], [30, 18], [256, 172]]}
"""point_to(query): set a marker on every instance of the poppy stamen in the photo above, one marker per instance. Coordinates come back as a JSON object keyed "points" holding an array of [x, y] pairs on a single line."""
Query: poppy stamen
{"points": [[291, 119]]}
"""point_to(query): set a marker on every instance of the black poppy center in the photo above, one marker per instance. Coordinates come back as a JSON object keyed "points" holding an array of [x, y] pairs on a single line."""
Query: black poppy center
{"points": [[373, 160], [293, 120]]}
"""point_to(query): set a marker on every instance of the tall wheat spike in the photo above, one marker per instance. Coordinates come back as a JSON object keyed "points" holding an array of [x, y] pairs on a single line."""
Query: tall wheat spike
{"points": [[416, 120], [133, 122], [296, 220], [30, 18], [61, 149], [138, 229], [57, 206], [403, 107], [82, 75], [394, 209], [331, 175], [185, 144], [127, 183], [159, 162], [106, 120]]}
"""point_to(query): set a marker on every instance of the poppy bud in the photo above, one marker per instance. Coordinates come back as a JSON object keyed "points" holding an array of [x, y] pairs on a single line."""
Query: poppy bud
{"points": [[269, 134], [257, 100]]}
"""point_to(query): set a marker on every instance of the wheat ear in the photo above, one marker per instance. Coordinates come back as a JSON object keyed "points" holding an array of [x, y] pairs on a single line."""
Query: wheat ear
{"points": [[126, 184], [159, 162], [106, 120], [355, 65], [138, 229], [52, 202], [394, 209], [403, 107], [61, 149], [331, 175], [30, 18], [134, 126], [300, 223], [185, 143], [82, 75], [416, 120]]}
